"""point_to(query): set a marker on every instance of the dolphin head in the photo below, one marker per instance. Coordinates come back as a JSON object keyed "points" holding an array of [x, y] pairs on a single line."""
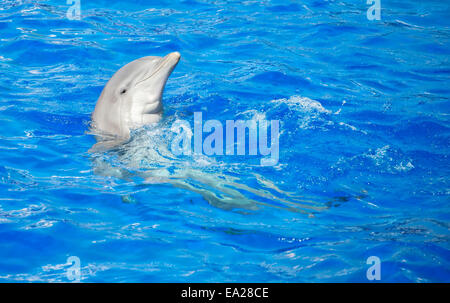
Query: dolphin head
{"points": [[132, 97]]}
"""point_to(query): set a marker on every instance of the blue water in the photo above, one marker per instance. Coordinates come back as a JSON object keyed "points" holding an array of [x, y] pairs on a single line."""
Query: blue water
{"points": [[364, 145]]}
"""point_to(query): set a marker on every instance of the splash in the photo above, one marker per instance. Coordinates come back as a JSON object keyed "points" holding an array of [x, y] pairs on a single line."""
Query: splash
{"points": [[303, 105]]}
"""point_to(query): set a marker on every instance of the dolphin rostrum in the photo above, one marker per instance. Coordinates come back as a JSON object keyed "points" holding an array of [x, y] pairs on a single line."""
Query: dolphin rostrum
{"points": [[132, 98]]}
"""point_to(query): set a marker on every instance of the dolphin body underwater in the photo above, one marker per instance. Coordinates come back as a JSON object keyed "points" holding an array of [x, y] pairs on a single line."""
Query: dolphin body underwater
{"points": [[131, 99]]}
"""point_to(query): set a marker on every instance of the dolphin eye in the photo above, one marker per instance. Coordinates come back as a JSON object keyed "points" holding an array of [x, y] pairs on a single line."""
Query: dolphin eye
{"points": [[123, 91]]}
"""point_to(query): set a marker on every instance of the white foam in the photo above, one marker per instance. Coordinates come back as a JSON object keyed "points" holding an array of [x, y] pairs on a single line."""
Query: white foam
{"points": [[303, 104]]}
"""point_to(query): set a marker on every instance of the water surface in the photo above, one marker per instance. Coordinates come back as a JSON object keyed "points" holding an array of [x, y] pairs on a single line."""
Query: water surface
{"points": [[364, 143]]}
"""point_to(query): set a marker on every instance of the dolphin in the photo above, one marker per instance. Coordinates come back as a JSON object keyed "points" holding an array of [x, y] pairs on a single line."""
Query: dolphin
{"points": [[131, 98]]}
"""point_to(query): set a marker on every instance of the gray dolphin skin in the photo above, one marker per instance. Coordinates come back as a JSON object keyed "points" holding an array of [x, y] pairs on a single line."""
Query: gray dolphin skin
{"points": [[132, 98]]}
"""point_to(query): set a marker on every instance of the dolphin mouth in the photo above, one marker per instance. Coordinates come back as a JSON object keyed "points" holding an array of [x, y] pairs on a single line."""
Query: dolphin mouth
{"points": [[169, 62]]}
